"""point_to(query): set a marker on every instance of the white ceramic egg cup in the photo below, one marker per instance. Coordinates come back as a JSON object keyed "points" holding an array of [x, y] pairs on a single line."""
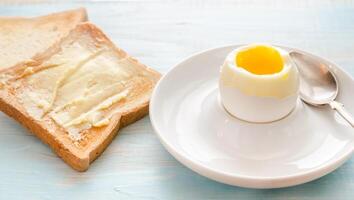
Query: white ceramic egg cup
{"points": [[194, 127]]}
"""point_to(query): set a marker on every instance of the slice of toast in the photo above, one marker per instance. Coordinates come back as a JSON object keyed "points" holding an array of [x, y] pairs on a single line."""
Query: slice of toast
{"points": [[77, 94], [21, 38]]}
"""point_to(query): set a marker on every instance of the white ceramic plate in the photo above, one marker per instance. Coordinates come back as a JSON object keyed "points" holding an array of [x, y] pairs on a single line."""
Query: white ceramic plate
{"points": [[193, 126]]}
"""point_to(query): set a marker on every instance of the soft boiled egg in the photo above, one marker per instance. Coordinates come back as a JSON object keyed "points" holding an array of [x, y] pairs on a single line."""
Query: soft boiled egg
{"points": [[259, 83]]}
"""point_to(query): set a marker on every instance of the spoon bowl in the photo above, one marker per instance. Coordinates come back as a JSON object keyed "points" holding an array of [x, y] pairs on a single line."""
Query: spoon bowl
{"points": [[318, 84]]}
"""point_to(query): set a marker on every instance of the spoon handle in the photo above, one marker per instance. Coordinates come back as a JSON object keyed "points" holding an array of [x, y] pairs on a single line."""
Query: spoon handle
{"points": [[339, 107]]}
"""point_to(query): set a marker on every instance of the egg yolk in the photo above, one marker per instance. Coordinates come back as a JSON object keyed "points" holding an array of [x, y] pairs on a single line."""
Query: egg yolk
{"points": [[260, 60]]}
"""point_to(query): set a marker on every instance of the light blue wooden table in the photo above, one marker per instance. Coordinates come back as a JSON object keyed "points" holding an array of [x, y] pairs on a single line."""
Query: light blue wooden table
{"points": [[161, 33]]}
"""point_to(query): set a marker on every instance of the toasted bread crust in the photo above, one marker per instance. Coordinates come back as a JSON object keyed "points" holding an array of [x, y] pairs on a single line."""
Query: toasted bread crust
{"points": [[80, 157], [10, 106]]}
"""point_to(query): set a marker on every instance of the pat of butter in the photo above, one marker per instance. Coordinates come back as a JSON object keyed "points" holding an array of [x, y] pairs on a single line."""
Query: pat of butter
{"points": [[110, 101], [103, 122], [28, 71], [2, 84], [78, 88], [3, 79]]}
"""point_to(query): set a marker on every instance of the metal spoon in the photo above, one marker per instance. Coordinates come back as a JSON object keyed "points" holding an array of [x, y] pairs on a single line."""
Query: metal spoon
{"points": [[318, 85]]}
